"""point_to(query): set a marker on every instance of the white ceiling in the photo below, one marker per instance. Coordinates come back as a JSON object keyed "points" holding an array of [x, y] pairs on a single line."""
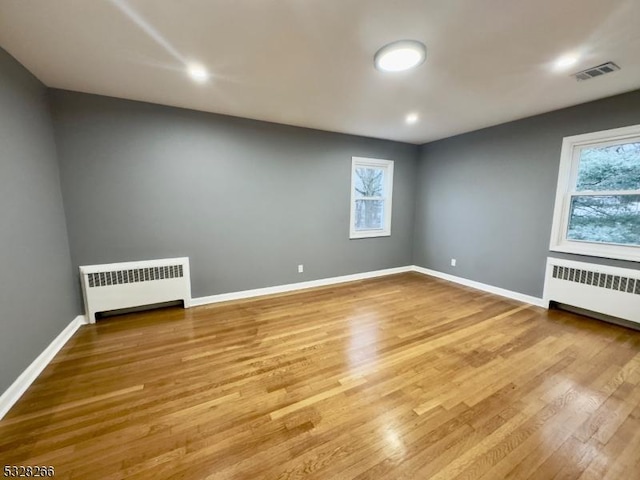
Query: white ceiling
{"points": [[310, 62]]}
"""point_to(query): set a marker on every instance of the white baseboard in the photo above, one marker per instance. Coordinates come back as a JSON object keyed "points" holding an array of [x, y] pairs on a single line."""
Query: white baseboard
{"points": [[292, 287], [17, 388], [483, 286]]}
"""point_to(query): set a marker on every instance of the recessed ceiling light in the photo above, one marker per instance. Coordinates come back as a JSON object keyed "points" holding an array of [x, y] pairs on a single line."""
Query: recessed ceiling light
{"points": [[398, 56], [197, 72], [566, 61], [411, 118]]}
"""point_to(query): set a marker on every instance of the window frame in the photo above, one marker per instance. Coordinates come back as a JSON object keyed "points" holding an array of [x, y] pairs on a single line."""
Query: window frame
{"points": [[567, 180], [387, 165]]}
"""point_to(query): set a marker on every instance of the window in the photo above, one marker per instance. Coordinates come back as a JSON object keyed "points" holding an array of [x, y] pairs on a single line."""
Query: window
{"points": [[597, 208], [371, 189]]}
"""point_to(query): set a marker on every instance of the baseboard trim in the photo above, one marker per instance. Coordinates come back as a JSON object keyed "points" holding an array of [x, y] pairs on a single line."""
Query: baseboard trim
{"points": [[24, 381], [292, 287], [521, 297]]}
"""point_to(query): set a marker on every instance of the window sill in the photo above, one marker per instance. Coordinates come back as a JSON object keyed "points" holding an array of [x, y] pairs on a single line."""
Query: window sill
{"points": [[372, 234], [615, 252]]}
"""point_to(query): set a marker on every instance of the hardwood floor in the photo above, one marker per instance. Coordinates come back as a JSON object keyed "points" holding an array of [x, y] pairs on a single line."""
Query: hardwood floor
{"points": [[400, 377]]}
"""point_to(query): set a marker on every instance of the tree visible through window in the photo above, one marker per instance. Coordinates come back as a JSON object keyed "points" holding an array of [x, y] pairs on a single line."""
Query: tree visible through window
{"points": [[371, 182], [598, 200], [606, 206], [369, 199]]}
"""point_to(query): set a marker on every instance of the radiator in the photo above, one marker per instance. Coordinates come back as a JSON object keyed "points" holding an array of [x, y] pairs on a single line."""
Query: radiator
{"points": [[134, 284], [608, 290]]}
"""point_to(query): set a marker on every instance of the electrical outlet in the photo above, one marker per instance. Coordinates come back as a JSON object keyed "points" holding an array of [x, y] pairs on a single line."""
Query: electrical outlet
{"points": [[300, 268], [453, 262]]}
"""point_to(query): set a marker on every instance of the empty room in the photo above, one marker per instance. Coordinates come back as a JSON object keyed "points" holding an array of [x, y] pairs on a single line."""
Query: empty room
{"points": [[287, 239]]}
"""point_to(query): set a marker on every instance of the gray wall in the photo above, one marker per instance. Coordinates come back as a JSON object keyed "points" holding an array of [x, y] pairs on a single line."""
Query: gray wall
{"points": [[37, 297], [486, 198], [247, 201]]}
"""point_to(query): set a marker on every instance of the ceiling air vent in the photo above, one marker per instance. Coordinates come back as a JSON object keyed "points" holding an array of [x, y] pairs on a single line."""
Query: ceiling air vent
{"points": [[593, 72]]}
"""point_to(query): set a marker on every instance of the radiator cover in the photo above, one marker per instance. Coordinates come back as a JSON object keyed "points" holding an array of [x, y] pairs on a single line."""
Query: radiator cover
{"points": [[608, 290], [133, 284]]}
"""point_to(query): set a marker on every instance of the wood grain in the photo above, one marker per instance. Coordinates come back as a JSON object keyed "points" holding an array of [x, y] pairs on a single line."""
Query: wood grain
{"points": [[401, 377]]}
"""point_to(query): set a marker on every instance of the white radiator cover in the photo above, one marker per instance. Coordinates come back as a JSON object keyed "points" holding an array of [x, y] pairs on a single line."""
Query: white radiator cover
{"points": [[609, 290], [133, 284]]}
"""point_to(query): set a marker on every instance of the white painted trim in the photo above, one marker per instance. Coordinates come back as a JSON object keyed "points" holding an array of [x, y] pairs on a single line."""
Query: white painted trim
{"points": [[521, 297], [292, 287], [567, 177], [24, 381]]}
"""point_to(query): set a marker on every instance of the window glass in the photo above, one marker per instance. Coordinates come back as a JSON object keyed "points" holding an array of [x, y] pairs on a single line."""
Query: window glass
{"points": [[369, 182], [605, 219], [614, 167], [369, 214]]}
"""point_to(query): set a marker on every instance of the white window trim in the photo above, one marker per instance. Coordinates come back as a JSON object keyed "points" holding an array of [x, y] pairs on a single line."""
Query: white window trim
{"points": [[567, 176], [388, 189]]}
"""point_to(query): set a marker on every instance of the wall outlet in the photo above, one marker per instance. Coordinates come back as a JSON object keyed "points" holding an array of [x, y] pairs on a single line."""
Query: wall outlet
{"points": [[300, 268], [453, 262]]}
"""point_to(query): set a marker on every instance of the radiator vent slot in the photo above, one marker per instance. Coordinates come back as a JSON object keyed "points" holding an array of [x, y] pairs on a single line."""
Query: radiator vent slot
{"points": [[598, 71], [596, 279], [136, 275]]}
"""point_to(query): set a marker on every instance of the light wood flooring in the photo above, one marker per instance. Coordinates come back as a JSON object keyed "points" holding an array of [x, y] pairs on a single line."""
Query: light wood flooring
{"points": [[400, 377]]}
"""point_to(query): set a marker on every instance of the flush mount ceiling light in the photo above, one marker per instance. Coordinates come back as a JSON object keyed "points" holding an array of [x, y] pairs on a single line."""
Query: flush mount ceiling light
{"points": [[197, 72], [399, 56]]}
